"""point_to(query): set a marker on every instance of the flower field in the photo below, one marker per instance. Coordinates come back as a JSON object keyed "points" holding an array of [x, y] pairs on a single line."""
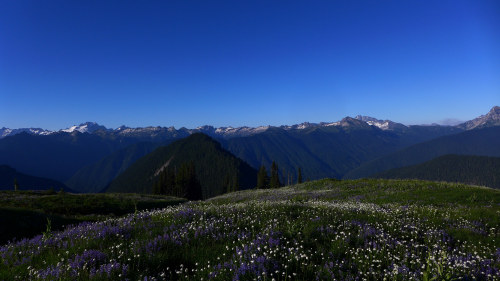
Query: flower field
{"points": [[322, 230]]}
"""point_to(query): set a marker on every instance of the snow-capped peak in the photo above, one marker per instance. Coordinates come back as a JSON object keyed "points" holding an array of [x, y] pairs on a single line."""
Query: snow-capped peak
{"points": [[5, 132], [381, 124], [88, 127]]}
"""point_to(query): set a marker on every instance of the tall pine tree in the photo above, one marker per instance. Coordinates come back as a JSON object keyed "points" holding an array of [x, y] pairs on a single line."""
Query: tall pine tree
{"points": [[275, 179], [193, 186], [180, 182], [299, 176], [262, 178]]}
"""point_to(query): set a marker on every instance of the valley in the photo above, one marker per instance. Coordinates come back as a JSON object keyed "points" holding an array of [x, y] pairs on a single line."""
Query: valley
{"points": [[165, 204]]}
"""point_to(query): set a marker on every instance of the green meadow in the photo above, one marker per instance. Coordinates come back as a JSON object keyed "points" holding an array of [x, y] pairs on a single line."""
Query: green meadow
{"points": [[321, 230]]}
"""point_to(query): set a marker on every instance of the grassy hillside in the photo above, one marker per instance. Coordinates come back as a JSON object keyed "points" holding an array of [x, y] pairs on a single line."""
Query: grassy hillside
{"points": [[483, 142], [323, 230], [25, 213], [212, 164], [468, 169]]}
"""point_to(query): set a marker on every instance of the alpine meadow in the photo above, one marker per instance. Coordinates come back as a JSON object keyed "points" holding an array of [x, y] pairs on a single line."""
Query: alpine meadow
{"points": [[250, 140]]}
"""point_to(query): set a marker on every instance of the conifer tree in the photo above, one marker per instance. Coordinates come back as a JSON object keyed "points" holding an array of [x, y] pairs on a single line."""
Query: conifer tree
{"points": [[275, 180], [299, 176], [227, 183], [193, 186], [157, 187], [169, 185], [236, 182], [262, 178]]}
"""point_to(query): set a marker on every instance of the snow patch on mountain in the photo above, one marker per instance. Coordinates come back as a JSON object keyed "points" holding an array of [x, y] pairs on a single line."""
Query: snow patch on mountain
{"points": [[5, 132], [381, 124], [490, 119], [88, 127]]}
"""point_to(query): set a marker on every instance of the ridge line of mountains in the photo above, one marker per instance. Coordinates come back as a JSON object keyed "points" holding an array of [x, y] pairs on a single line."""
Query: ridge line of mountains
{"points": [[91, 127], [90, 157]]}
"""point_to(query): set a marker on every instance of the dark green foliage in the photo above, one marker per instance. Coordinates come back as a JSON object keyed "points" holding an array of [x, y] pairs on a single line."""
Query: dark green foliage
{"points": [[212, 165], [275, 179], [477, 170], [236, 183], [186, 183], [299, 176], [9, 176], [232, 183], [167, 185], [26, 212], [262, 178], [23, 223], [482, 142]]}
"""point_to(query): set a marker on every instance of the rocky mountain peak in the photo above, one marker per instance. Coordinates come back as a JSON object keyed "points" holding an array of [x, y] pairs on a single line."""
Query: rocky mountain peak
{"points": [[488, 120]]}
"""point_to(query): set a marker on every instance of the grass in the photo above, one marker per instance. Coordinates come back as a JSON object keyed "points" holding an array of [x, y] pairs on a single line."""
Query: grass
{"points": [[26, 212], [322, 230]]}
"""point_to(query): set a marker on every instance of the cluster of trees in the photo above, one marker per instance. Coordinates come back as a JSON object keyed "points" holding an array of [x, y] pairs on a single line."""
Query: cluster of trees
{"points": [[232, 183], [264, 181], [181, 182]]}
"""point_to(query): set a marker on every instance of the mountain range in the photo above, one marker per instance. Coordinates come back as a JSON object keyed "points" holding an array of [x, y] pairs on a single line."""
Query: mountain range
{"points": [[490, 119], [88, 157], [9, 175], [476, 170]]}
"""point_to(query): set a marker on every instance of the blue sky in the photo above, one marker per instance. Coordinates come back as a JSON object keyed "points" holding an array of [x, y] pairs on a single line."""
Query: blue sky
{"points": [[235, 63]]}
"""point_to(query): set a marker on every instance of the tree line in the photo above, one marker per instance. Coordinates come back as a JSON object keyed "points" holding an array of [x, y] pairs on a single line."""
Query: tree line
{"points": [[273, 181], [180, 182]]}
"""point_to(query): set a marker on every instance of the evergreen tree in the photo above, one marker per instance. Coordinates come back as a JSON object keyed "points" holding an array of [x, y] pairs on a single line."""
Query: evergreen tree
{"points": [[262, 178], [157, 187], [193, 186], [299, 176], [275, 179], [169, 182], [236, 182], [227, 183]]}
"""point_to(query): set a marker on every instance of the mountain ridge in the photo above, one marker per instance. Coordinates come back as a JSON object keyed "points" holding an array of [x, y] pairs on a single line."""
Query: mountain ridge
{"points": [[480, 142], [212, 164], [492, 118], [467, 169], [27, 182]]}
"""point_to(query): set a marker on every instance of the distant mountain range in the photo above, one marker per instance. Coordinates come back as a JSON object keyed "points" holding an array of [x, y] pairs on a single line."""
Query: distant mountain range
{"points": [[490, 119], [481, 142], [8, 175], [476, 170], [89, 157]]}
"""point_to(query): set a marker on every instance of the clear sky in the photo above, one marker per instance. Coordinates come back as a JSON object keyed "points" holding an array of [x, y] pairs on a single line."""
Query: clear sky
{"points": [[234, 63]]}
